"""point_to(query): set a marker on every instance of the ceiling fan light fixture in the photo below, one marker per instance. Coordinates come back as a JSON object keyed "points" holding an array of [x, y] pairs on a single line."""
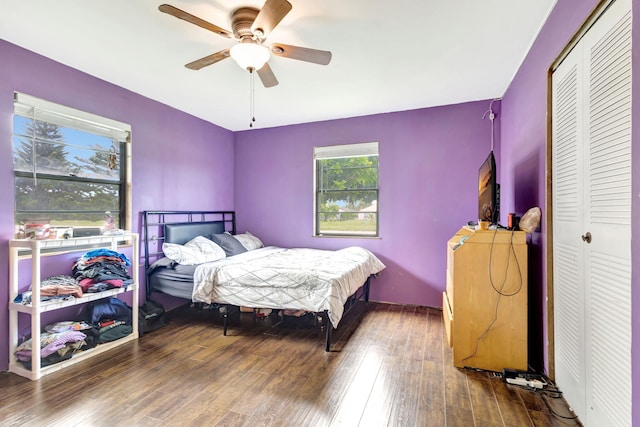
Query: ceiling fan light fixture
{"points": [[250, 55]]}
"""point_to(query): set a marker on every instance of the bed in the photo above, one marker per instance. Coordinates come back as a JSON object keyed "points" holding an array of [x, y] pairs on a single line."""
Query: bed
{"points": [[300, 279]]}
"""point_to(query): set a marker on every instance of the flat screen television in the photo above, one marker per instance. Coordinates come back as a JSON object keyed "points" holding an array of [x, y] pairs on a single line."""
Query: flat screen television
{"points": [[488, 191]]}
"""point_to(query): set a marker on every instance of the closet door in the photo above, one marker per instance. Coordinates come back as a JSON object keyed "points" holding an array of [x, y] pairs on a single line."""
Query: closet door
{"points": [[568, 248], [608, 219], [592, 255]]}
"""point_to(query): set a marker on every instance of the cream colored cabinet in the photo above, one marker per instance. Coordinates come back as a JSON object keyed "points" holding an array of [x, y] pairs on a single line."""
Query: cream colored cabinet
{"points": [[485, 303]]}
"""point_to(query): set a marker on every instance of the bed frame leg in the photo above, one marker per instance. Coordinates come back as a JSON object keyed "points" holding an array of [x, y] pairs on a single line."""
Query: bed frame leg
{"points": [[327, 323], [225, 316], [366, 289]]}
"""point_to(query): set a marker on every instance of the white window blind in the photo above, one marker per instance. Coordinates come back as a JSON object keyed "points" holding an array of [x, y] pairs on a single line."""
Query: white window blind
{"points": [[39, 109], [347, 150]]}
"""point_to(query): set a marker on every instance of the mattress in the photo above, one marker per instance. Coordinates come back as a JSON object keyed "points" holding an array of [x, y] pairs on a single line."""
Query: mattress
{"points": [[280, 278], [170, 278]]}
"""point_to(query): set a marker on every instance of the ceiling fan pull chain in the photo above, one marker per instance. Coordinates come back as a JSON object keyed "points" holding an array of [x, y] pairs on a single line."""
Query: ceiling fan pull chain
{"points": [[252, 97]]}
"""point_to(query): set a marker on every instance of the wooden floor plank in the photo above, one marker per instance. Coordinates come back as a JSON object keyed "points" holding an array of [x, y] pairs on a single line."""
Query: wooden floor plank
{"points": [[378, 408], [513, 411], [404, 407], [483, 402], [390, 367], [431, 409]]}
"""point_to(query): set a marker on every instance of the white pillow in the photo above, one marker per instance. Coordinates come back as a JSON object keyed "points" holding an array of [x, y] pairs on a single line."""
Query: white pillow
{"points": [[249, 241], [196, 251]]}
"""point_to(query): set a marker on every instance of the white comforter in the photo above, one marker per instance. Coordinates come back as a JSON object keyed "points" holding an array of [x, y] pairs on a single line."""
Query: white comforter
{"points": [[298, 279]]}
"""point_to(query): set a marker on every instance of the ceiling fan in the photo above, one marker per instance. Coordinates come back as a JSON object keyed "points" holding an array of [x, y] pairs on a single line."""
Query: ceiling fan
{"points": [[251, 27]]}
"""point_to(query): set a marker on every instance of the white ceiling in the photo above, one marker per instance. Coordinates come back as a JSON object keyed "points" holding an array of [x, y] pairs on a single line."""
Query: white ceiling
{"points": [[388, 56]]}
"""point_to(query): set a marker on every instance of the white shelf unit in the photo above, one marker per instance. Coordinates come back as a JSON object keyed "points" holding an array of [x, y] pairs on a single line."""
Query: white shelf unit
{"points": [[37, 306]]}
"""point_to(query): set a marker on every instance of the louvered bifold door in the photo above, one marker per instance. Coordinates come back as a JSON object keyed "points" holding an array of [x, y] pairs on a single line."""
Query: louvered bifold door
{"points": [[608, 219], [591, 170], [568, 273]]}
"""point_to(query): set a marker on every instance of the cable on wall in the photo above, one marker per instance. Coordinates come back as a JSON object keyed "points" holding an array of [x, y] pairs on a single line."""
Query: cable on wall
{"points": [[492, 117]]}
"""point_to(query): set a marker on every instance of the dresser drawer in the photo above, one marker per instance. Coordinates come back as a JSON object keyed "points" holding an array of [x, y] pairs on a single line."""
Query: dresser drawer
{"points": [[450, 288], [447, 316]]}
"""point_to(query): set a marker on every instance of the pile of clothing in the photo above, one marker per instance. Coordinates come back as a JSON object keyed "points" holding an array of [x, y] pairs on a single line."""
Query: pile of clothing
{"points": [[95, 271], [110, 318], [53, 288], [100, 321], [59, 342], [102, 269]]}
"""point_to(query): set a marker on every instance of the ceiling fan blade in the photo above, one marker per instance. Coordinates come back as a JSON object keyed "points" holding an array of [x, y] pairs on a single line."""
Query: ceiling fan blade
{"points": [[322, 57], [271, 14], [174, 11], [208, 60], [266, 76]]}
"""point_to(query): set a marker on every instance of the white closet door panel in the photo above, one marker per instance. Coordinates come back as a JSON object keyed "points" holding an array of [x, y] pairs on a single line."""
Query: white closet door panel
{"points": [[610, 126], [569, 319], [608, 218], [567, 131], [609, 361]]}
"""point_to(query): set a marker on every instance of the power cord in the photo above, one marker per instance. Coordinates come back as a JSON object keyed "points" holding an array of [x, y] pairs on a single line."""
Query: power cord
{"points": [[515, 256], [486, 331], [551, 391], [543, 395], [499, 291]]}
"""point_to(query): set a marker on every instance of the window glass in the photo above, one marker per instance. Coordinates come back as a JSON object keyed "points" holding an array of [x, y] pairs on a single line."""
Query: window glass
{"points": [[69, 166], [346, 190], [63, 151]]}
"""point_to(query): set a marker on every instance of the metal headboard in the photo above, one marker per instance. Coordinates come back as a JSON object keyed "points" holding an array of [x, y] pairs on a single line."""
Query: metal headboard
{"points": [[153, 230]]}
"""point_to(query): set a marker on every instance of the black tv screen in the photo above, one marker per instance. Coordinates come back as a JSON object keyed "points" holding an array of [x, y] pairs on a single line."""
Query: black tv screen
{"points": [[488, 189]]}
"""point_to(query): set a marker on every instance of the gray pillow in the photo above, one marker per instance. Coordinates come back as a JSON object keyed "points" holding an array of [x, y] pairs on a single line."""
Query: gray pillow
{"points": [[228, 243]]}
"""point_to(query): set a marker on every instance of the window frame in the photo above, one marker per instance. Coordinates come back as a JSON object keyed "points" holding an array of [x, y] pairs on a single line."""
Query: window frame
{"points": [[354, 150], [74, 119]]}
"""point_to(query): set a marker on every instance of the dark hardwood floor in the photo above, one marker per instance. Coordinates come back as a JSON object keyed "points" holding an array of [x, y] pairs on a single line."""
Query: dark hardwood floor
{"points": [[391, 366]]}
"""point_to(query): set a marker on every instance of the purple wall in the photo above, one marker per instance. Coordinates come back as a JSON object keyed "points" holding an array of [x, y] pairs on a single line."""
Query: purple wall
{"points": [[428, 169], [524, 109], [429, 162], [179, 161]]}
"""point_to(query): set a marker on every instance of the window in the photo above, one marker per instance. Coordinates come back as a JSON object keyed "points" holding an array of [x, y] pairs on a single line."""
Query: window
{"points": [[70, 167], [346, 190]]}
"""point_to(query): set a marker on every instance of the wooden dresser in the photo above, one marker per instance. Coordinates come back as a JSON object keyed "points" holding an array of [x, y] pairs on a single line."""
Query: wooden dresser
{"points": [[485, 304]]}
